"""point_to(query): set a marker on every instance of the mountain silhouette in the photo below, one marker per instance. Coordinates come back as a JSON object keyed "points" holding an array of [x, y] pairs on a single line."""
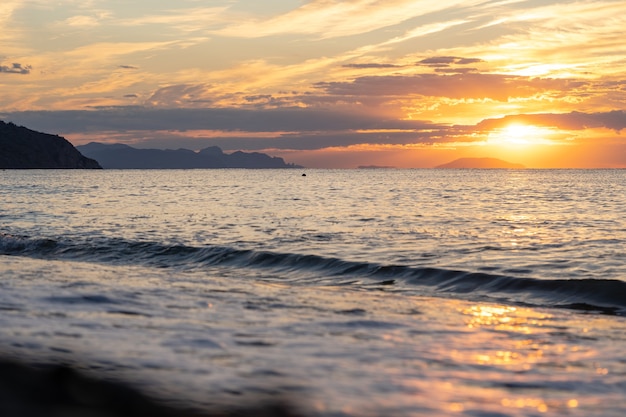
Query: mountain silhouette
{"points": [[120, 156]]}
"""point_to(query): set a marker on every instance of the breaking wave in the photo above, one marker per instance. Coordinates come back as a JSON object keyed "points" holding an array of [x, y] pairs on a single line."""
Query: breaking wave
{"points": [[607, 296]]}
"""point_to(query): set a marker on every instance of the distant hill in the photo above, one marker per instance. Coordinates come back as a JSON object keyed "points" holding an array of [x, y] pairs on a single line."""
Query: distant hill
{"points": [[120, 156], [22, 148], [480, 163]]}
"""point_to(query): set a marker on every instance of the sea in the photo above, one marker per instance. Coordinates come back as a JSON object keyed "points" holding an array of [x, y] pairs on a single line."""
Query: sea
{"points": [[366, 292]]}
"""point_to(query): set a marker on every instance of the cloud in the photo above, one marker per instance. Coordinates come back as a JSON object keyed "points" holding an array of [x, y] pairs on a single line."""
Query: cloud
{"points": [[281, 140], [231, 129], [371, 65], [176, 95], [7, 9], [185, 20], [104, 51], [420, 31], [562, 37], [125, 118], [446, 61], [458, 86], [455, 70], [614, 120], [82, 21], [331, 18], [16, 68], [450, 64]]}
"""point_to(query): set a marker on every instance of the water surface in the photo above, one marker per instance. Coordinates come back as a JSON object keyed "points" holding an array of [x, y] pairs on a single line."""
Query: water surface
{"points": [[351, 292]]}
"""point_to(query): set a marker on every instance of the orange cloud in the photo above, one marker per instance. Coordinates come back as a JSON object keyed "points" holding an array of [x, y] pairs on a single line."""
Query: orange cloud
{"points": [[614, 120]]}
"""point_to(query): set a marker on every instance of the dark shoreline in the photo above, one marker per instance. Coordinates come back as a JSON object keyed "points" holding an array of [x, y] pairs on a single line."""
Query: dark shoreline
{"points": [[44, 389]]}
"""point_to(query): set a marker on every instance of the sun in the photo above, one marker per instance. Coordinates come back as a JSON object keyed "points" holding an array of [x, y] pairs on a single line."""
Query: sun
{"points": [[522, 143], [519, 136]]}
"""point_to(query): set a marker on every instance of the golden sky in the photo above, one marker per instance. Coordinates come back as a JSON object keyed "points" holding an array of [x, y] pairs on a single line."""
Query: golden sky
{"points": [[325, 83]]}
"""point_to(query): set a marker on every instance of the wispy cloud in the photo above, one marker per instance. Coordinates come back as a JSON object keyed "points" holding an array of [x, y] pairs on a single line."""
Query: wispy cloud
{"points": [[8, 31], [86, 21], [182, 19], [330, 19], [7, 8], [562, 38]]}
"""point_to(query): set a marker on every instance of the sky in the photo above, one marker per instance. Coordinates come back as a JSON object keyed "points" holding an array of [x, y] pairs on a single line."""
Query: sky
{"points": [[325, 83]]}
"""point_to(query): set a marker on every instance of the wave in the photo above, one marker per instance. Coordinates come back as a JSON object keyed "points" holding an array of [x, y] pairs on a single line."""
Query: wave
{"points": [[607, 296]]}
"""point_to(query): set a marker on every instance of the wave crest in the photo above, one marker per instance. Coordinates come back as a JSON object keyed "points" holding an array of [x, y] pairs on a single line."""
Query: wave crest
{"points": [[608, 296]]}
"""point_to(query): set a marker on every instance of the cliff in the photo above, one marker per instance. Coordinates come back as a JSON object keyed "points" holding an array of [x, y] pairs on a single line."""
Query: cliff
{"points": [[120, 156], [22, 148]]}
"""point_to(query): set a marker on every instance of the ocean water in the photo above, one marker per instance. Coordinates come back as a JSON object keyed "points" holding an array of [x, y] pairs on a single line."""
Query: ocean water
{"points": [[345, 292]]}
